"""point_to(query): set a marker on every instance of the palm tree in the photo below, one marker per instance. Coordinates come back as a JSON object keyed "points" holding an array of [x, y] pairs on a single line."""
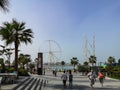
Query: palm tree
{"points": [[62, 63], [85, 63], [111, 60], [4, 5], [31, 65], [16, 33], [28, 59], [74, 61], [23, 59], [92, 60]]}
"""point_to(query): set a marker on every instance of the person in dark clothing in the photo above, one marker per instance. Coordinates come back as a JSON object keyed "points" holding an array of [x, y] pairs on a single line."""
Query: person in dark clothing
{"points": [[70, 79]]}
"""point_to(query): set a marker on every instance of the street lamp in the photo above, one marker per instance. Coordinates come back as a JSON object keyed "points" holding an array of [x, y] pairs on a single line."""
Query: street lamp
{"points": [[8, 53]]}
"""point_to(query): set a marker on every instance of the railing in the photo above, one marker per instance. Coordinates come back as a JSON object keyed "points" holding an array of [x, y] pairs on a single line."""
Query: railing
{"points": [[8, 77]]}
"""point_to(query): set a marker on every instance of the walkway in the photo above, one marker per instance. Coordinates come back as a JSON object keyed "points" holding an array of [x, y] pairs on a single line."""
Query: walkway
{"points": [[80, 83]]}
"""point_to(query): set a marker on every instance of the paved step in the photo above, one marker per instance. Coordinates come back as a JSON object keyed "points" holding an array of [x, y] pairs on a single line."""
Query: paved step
{"points": [[31, 83]]}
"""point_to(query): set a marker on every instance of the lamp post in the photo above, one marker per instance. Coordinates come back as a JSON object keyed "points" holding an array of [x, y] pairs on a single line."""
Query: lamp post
{"points": [[8, 54]]}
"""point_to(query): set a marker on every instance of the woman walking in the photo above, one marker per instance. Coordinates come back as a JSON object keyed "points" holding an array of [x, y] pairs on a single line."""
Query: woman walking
{"points": [[101, 76]]}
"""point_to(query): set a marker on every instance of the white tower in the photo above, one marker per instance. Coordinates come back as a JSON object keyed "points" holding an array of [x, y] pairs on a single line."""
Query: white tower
{"points": [[89, 49]]}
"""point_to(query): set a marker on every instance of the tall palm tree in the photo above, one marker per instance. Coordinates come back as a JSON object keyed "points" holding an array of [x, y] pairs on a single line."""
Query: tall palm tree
{"points": [[92, 60], [16, 33], [111, 60], [74, 61], [4, 5]]}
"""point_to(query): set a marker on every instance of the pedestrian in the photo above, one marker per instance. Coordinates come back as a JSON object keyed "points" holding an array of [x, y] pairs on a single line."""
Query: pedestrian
{"points": [[55, 72], [70, 78], [64, 79], [101, 76], [44, 71], [92, 78]]}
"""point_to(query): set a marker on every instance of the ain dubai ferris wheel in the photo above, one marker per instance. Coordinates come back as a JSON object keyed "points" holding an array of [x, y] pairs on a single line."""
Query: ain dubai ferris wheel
{"points": [[51, 52]]}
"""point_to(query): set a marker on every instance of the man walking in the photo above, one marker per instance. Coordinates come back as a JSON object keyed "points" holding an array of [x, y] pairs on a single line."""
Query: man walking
{"points": [[92, 78], [64, 78]]}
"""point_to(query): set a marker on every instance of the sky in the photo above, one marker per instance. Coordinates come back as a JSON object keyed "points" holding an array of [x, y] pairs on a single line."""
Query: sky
{"points": [[67, 23]]}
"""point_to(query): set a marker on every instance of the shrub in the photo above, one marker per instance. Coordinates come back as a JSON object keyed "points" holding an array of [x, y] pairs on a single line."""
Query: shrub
{"points": [[11, 69], [22, 72]]}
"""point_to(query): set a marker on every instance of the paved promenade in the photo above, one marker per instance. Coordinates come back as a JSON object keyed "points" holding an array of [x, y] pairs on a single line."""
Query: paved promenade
{"points": [[79, 83]]}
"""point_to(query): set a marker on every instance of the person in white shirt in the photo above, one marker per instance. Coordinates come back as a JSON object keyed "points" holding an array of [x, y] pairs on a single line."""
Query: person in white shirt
{"points": [[92, 78], [64, 78]]}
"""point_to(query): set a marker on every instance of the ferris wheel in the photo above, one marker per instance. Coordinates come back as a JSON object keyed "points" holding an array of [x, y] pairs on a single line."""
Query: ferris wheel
{"points": [[51, 51]]}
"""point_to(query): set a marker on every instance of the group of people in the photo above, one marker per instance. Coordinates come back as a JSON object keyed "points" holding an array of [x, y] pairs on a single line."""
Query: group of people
{"points": [[65, 77], [92, 75], [55, 72]]}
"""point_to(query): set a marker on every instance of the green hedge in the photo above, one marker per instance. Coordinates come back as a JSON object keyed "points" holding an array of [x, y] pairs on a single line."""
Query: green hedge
{"points": [[114, 72], [22, 72]]}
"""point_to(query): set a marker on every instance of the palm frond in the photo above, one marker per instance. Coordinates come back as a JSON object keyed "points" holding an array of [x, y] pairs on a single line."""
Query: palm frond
{"points": [[4, 5]]}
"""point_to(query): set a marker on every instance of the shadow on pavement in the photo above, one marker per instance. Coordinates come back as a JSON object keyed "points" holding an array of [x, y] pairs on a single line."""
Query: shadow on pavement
{"points": [[106, 88], [75, 87], [79, 87]]}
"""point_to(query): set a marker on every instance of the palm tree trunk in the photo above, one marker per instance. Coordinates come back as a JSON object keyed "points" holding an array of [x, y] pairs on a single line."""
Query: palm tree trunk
{"points": [[16, 56]]}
